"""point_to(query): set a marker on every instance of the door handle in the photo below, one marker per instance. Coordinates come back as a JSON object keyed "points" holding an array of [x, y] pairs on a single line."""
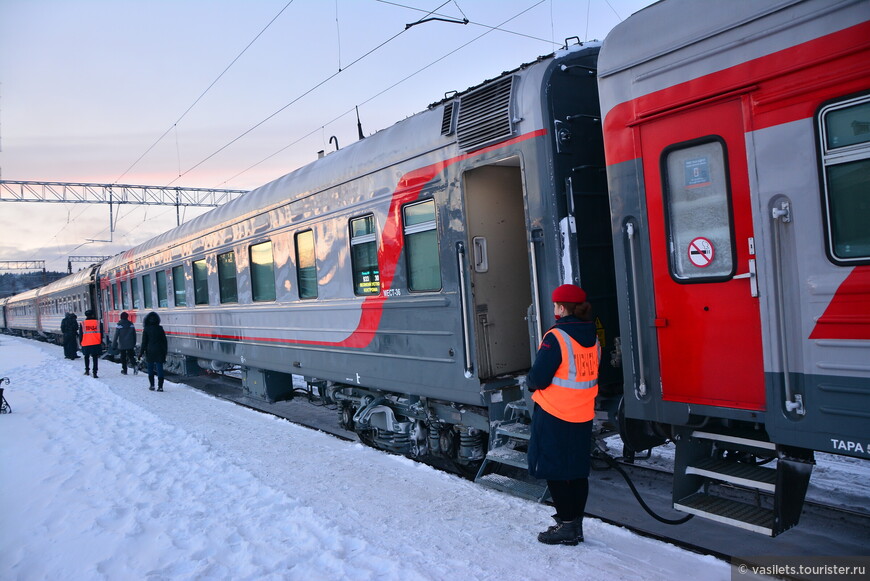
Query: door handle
{"points": [[752, 276]]}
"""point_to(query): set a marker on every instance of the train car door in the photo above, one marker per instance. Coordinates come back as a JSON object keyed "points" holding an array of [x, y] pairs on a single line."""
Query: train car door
{"points": [[495, 212], [703, 257]]}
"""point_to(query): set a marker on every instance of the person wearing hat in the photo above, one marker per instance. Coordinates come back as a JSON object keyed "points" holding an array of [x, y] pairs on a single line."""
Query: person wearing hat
{"points": [[91, 340], [125, 341], [564, 382]]}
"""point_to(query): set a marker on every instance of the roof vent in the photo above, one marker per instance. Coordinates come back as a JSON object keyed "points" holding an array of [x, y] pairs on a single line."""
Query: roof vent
{"points": [[485, 115], [447, 120]]}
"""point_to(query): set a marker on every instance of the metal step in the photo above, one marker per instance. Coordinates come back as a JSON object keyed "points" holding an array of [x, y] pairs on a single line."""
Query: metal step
{"points": [[732, 439], [531, 490], [743, 474], [731, 512], [507, 455], [517, 430]]}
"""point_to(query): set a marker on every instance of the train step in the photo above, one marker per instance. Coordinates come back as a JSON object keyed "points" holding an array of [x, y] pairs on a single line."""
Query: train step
{"points": [[505, 467], [526, 488], [706, 459], [736, 473], [731, 512]]}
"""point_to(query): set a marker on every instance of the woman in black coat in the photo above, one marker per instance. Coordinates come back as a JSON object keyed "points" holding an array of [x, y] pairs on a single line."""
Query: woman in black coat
{"points": [[154, 347]]}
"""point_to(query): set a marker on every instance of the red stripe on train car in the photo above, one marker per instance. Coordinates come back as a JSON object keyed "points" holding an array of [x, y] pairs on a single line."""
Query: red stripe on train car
{"points": [[780, 91]]}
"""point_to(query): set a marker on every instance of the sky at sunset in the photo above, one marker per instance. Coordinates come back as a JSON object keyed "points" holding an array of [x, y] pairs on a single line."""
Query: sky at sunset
{"points": [[229, 94]]}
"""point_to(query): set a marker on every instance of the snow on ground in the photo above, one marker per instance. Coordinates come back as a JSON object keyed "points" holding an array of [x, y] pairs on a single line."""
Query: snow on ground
{"points": [[103, 479]]}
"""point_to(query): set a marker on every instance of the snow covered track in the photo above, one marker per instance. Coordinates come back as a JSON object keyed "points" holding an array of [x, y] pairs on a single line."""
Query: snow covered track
{"points": [[103, 479]]}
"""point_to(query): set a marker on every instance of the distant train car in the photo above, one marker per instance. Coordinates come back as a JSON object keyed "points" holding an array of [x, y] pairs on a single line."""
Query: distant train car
{"points": [[3, 302], [410, 272], [22, 314], [738, 158], [72, 294]]}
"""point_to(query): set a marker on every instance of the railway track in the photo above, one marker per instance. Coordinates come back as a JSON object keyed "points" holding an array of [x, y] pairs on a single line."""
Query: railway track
{"points": [[824, 529]]}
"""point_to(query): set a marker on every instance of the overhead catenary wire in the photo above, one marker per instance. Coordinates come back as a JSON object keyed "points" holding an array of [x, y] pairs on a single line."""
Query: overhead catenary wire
{"points": [[378, 94], [295, 100], [207, 89]]}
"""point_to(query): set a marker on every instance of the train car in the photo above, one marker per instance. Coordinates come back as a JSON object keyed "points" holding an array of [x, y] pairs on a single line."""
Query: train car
{"points": [[75, 293], [22, 314], [408, 275], [738, 159], [3, 302]]}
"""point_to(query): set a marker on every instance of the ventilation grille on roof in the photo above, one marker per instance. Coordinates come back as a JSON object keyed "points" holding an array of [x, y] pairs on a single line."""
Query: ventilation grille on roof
{"points": [[485, 115], [447, 120]]}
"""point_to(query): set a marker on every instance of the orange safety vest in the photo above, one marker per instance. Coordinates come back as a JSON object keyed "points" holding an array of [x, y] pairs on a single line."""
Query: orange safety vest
{"points": [[90, 332], [571, 394]]}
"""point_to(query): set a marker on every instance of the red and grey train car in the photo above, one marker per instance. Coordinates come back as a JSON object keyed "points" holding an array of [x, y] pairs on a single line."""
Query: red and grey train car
{"points": [[737, 141], [410, 272]]}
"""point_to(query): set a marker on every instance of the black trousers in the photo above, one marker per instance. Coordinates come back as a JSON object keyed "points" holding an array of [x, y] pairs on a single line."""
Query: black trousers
{"points": [[569, 497], [92, 351], [127, 358]]}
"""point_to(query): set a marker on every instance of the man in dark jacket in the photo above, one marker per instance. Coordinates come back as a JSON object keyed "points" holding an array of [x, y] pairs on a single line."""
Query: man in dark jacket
{"points": [[154, 347], [69, 327], [125, 341]]}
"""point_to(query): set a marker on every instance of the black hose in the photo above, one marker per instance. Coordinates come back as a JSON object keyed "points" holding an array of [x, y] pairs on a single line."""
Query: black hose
{"points": [[614, 464]]}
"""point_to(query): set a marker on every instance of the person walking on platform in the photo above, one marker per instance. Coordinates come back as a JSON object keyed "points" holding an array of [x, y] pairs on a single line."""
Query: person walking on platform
{"points": [[69, 327], [564, 382], [155, 348], [125, 341], [91, 340]]}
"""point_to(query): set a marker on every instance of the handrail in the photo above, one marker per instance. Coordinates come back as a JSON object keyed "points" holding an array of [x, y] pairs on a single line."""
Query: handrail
{"points": [[463, 300], [536, 294], [781, 215], [640, 390]]}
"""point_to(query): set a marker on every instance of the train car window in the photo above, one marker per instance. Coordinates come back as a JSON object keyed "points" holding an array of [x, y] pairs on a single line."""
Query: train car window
{"points": [[134, 288], [845, 144], [200, 282], [262, 272], [125, 299], [421, 242], [178, 286], [698, 211], [364, 256], [306, 265], [146, 291], [229, 290], [115, 297], [162, 296]]}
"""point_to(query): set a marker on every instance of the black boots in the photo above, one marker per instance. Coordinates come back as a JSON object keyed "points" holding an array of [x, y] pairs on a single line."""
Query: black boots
{"points": [[151, 383], [159, 384], [563, 533]]}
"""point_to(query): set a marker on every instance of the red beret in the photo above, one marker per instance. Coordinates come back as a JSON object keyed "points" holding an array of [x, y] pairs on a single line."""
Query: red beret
{"points": [[569, 293]]}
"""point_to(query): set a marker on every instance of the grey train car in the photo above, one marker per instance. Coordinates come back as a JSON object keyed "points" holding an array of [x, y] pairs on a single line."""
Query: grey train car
{"points": [[3, 302], [407, 275], [22, 314], [737, 156], [71, 294]]}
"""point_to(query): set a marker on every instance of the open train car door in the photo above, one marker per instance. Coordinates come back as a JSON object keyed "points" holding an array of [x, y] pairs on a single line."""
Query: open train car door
{"points": [[703, 263], [500, 268]]}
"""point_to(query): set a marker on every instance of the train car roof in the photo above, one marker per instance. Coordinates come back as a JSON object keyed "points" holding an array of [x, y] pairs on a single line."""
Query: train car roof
{"points": [[655, 52], [25, 296], [385, 148], [79, 278]]}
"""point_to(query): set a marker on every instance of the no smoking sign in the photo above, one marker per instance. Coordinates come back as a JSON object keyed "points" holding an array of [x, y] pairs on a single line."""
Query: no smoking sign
{"points": [[701, 252]]}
